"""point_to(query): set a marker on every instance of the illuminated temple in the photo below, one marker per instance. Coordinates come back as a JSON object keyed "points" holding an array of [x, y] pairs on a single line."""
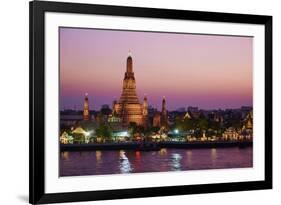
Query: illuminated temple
{"points": [[128, 108]]}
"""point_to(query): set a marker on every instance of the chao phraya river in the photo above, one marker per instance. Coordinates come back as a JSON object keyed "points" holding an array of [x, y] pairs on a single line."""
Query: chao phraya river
{"points": [[128, 161]]}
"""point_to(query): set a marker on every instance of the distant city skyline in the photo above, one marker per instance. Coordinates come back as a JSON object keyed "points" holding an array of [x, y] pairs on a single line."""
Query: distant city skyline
{"points": [[204, 71]]}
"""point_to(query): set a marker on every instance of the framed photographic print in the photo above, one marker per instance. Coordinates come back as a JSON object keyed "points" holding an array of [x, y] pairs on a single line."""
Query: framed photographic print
{"points": [[140, 102]]}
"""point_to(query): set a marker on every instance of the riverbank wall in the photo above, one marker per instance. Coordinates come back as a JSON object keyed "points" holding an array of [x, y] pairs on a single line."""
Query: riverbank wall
{"points": [[175, 145]]}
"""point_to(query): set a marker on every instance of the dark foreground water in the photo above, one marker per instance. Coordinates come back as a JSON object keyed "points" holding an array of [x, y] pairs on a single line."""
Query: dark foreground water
{"points": [[123, 161]]}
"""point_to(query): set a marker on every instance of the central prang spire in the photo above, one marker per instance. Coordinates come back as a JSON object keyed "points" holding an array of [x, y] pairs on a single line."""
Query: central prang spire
{"points": [[128, 108], [129, 83], [129, 71]]}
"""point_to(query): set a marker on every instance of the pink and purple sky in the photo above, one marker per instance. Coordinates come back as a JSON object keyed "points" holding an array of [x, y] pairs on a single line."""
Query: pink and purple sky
{"points": [[207, 71]]}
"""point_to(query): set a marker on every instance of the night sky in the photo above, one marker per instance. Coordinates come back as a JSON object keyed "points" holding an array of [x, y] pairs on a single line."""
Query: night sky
{"points": [[207, 71]]}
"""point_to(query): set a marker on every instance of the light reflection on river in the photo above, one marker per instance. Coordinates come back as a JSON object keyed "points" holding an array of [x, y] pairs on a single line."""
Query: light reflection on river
{"points": [[126, 161]]}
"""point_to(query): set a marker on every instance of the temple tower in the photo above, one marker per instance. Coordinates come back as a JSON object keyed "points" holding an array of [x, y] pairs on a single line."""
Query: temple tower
{"points": [[128, 107], [145, 112], [129, 64], [145, 107], [164, 114], [86, 114]]}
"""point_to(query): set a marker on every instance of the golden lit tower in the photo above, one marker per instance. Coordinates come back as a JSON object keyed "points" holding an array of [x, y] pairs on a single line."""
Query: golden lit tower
{"points": [[145, 111], [164, 115], [164, 111], [86, 114], [128, 107], [130, 65], [145, 107]]}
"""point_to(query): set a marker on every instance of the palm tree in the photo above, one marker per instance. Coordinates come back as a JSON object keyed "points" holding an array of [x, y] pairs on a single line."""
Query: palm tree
{"points": [[104, 132]]}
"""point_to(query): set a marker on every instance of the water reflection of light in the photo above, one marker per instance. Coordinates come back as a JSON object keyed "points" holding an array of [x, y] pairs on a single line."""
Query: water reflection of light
{"points": [[189, 156], [125, 165], [214, 153], [65, 155], [163, 151], [122, 155], [98, 155], [176, 158], [138, 155]]}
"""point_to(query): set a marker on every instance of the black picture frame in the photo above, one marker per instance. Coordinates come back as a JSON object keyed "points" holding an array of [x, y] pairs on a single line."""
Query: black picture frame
{"points": [[37, 9]]}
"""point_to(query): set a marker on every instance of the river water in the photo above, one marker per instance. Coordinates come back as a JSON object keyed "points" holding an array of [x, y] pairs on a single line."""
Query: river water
{"points": [[126, 161]]}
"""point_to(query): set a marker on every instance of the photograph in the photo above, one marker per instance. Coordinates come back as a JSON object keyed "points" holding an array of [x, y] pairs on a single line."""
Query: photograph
{"points": [[133, 101]]}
